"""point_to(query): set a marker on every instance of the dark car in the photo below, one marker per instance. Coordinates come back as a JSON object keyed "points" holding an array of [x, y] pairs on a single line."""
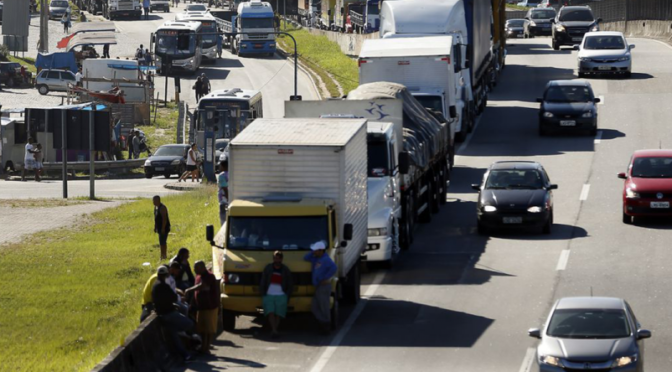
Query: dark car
{"points": [[10, 73], [514, 28], [568, 105], [167, 160], [590, 334], [515, 194], [538, 22], [571, 23]]}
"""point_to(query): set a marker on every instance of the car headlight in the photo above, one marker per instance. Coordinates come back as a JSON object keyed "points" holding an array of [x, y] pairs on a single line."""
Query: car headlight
{"points": [[584, 59], [378, 232], [624, 58], [560, 28], [631, 194], [588, 114], [148, 163], [233, 278], [624, 361], [548, 114], [191, 61], [489, 208], [551, 361], [175, 162], [535, 209]]}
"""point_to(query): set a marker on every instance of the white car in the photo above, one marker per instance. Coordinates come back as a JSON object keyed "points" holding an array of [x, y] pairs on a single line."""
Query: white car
{"points": [[196, 8], [529, 3], [604, 53], [54, 80]]}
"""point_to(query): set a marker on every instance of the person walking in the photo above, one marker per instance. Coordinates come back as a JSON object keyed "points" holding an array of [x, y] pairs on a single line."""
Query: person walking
{"points": [[129, 143], [66, 22], [207, 299], [38, 162], [146, 4], [192, 165], [276, 287], [148, 58], [136, 144], [78, 78], [206, 87], [106, 51], [198, 88], [29, 159], [223, 194], [186, 279], [163, 299], [161, 225], [323, 269]]}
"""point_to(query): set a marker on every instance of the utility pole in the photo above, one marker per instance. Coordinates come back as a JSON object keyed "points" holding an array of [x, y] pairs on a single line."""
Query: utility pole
{"points": [[44, 26]]}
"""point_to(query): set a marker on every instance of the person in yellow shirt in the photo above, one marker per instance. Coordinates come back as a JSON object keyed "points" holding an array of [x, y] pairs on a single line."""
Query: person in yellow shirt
{"points": [[147, 304]]}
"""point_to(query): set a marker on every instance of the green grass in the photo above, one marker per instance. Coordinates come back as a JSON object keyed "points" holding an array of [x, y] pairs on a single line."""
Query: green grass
{"points": [[322, 55], [164, 131], [70, 296], [28, 62]]}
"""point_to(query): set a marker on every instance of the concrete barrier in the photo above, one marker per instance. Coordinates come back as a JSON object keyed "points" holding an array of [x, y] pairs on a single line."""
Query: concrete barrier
{"points": [[651, 29], [351, 44], [144, 350]]}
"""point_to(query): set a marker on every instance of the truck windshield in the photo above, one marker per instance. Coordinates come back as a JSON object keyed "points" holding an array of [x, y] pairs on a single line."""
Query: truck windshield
{"points": [[180, 44], [433, 103], [377, 159], [208, 31], [257, 22], [373, 9], [276, 233]]}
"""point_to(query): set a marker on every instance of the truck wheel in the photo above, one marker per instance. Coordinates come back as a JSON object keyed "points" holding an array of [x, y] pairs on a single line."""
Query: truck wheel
{"points": [[435, 198], [335, 314], [43, 89], [352, 287], [228, 321], [445, 178], [461, 136], [426, 215]]}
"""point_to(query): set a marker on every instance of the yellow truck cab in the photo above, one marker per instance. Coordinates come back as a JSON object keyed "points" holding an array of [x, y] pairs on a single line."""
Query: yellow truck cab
{"points": [[292, 183]]}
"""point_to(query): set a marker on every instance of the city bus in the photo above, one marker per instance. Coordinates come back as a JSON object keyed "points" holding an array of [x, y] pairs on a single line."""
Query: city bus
{"points": [[208, 32], [178, 46], [228, 111]]}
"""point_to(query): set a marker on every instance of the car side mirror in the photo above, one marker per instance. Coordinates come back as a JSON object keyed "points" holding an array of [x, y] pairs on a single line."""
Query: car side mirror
{"points": [[347, 231], [632, 46], [576, 47], [534, 332], [597, 100], [404, 162], [643, 333], [540, 100], [452, 111], [599, 20], [153, 38], [622, 175], [552, 187], [476, 186]]}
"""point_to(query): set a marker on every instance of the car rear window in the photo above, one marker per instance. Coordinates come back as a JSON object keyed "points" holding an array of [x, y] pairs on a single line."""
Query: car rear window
{"points": [[514, 179], [576, 15]]}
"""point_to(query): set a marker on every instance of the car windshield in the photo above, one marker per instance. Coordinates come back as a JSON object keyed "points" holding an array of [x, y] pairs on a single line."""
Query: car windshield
{"points": [[377, 159], [258, 23], [604, 42], [196, 8], [208, 33], [589, 323], [568, 94], [577, 15], [515, 23], [529, 179], [170, 151], [276, 233], [59, 4], [543, 14], [653, 167]]}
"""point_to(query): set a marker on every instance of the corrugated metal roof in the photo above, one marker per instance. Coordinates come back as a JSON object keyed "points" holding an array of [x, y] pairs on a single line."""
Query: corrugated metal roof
{"points": [[309, 131], [407, 47]]}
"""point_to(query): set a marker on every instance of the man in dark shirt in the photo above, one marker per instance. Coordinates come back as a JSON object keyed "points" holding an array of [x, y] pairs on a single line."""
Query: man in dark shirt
{"points": [[161, 225], [164, 299], [207, 296], [276, 287]]}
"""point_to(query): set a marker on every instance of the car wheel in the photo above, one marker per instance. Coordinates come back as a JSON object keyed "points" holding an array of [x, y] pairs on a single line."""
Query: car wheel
{"points": [[148, 175], [627, 219], [581, 75], [481, 229], [43, 89], [628, 74], [542, 131], [593, 132], [556, 46], [549, 225]]}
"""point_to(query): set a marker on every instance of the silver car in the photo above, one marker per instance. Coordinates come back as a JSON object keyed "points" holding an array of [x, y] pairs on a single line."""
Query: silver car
{"points": [[591, 333], [57, 8], [604, 52], [54, 80]]}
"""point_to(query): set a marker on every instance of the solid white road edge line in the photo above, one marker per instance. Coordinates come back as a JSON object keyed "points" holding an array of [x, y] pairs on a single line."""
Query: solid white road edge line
{"points": [[562, 261], [464, 145], [598, 137], [584, 192], [527, 361], [331, 349]]}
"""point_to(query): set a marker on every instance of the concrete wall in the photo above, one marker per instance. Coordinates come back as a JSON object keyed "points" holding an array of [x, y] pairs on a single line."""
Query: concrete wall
{"points": [[351, 44], [145, 350], [652, 29]]}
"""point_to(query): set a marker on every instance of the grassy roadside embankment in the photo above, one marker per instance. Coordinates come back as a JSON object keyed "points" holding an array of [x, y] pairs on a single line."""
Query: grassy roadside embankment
{"points": [[70, 295], [324, 58]]}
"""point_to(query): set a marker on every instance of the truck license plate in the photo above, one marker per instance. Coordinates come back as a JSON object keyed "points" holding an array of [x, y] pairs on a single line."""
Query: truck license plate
{"points": [[258, 46], [512, 220], [567, 123], [660, 205]]}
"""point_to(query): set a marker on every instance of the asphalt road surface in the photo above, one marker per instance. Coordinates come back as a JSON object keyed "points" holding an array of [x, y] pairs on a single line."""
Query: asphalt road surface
{"points": [[462, 302], [274, 76]]}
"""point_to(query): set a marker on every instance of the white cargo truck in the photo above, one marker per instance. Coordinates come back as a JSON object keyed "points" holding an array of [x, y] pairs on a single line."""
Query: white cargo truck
{"points": [[424, 65], [292, 183]]}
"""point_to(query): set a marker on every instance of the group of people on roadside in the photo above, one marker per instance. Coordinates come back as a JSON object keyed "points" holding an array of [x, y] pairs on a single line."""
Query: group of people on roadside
{"points": [[33, 160], [202, 87], [137, 143], [186, 305]]}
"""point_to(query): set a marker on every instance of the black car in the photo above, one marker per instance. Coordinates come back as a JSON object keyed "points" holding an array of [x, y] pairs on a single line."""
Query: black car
{"points": [[538, 22], [167, 160], [10, 73], [514, 28], [569, 105], [571, 23], [515, 194]]}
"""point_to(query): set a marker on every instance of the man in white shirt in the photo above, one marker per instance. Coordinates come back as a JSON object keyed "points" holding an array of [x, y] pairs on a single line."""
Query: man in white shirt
{"points": [[78, 78], [192, 164], [29, 159]]}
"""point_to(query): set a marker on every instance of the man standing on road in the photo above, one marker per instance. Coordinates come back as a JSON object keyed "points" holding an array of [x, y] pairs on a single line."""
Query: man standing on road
{"points": [[206, 88], [323, 269], [78, 78], [161, 225], [163, 298], [145, 4], [29, 159], [276, 287], [106, 51], [207, 296], [136, 145]]}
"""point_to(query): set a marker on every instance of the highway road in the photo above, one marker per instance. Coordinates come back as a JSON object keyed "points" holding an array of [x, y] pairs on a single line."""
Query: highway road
{"points": [[462, 302], [274, 76]]}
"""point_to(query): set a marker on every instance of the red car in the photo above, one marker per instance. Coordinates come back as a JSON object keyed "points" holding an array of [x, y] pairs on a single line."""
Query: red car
{"points": [[648, 185]]}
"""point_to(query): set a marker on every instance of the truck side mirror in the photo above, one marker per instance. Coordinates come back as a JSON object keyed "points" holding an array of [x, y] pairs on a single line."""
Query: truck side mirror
{"points": [[347, 231], [452, 111], [467, 64], [210, 233], [404, 162], [154, 38]]}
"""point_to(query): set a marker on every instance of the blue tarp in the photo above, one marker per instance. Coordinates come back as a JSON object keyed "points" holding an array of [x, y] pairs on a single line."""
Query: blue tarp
{"points": [[58, 60]]}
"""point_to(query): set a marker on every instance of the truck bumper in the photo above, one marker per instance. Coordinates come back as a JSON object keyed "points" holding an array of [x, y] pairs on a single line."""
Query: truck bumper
{"points": [[252, 305], [256, 47], [379, 248], [126, 13]]}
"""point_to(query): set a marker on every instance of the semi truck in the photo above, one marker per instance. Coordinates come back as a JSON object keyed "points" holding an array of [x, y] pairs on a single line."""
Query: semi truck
{"points": [[252, 29], [341, 12], [326, 12], [365, 17], [115, 9], [469, 23], [292, 183], [408, 180], [498, 37], [425, 65]]}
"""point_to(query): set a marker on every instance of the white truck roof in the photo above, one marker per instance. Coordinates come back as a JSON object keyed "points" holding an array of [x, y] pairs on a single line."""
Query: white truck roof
{"points": [[420, 17], [407, 47], [300, 131]]}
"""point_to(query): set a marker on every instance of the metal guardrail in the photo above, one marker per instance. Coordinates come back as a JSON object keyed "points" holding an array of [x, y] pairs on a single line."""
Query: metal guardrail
{"points": [[99, 165]]}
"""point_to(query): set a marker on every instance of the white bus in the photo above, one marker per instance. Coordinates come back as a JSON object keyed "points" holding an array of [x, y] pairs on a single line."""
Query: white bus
{"points": [[208, 32], [229, 110], [179, 43]]}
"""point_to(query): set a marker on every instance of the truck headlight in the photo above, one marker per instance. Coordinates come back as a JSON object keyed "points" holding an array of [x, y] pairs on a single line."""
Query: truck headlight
{"points": [[588, 114], [378, 232], [233, 278], [631, 194], [624, 361], [548, 114], [137, 8], [175, 162], [489, 208]]}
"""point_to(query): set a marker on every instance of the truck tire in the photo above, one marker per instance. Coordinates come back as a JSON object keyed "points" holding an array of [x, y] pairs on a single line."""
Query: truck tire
{"points": [[435, 201], [408, 223], [335, 313], [352, 286], [228, 321], [426, 215], [444, 180], [461, 136]]}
